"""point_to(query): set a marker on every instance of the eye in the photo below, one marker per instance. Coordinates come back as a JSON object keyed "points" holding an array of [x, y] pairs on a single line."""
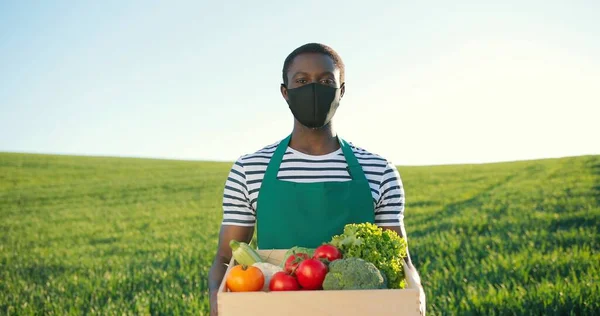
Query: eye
{"points": [[301, 81], [328, 82]]}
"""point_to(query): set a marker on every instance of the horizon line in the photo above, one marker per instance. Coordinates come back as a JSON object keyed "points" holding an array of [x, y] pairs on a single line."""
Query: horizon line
{"points": [[134, 157]]}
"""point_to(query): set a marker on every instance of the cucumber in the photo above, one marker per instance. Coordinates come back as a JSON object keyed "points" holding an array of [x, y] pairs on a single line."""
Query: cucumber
{"points": [[243, 253]]}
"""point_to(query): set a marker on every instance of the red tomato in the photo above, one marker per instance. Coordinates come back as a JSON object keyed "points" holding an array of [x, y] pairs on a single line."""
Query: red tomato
{"points": [[311, 273], [293, 261], [281, 281], [328, 252]]}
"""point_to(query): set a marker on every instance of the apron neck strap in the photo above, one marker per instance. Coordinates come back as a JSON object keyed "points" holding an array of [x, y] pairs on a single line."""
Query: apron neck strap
{"points": [[354, 167], [273, 167]]}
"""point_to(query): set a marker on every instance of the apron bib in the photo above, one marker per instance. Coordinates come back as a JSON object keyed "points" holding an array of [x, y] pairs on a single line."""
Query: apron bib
{"points": [[309, 214]]}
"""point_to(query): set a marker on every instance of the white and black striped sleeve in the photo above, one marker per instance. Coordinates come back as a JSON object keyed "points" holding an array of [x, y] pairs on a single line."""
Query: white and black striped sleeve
{"points": [[390, 207], [236, 204]]}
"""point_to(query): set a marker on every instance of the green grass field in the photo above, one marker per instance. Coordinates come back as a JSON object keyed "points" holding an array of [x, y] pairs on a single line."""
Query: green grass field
{"points": [[133, 236]]}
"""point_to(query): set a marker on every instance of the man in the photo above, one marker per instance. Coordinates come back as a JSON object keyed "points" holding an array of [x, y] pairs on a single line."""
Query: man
{"points": [[303, 189]]}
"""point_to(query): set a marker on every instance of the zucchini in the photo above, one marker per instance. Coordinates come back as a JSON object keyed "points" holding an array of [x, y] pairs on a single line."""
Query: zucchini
{"points": [[243, 253]]}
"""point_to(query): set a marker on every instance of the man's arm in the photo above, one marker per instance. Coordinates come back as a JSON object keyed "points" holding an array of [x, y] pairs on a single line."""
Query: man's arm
{"points": [[238, 223], [389, 214], [222, 257]]}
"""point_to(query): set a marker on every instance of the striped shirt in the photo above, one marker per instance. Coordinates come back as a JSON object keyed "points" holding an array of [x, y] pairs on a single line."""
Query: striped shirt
{"points": [[243, 184]]}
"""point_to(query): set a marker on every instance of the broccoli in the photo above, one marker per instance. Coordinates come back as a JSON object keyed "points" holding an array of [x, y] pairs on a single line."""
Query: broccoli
{"points": [[384, 248], [353, 274]]}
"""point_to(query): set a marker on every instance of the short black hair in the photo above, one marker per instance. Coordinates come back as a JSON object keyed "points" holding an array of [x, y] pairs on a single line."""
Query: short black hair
{"points": [[313, 48]]}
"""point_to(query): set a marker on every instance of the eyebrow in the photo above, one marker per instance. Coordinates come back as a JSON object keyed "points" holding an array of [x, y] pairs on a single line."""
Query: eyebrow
{"points": [[299, 73], [304, 73]]}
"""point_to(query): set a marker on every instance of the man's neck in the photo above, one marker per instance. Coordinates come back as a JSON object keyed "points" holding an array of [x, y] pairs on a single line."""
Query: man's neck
{"points": [[315, 142]]}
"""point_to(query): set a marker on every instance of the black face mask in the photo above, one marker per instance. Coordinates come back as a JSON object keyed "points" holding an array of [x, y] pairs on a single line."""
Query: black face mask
{"points": [[313, 105]]}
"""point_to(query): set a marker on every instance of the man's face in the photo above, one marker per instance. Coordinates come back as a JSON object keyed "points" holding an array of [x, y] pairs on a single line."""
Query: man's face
{"points": [[312, 68]]}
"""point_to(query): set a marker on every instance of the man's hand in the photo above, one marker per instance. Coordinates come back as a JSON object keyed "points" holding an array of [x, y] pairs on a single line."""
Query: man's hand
{"points": [[413, 281]]}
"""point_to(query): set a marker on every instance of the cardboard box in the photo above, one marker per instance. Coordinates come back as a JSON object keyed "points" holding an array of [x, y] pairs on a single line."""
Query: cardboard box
{"points": [[302, 303]]}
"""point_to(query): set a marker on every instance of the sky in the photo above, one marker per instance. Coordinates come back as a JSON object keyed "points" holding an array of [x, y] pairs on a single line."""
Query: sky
{"points": [[427, 82]]}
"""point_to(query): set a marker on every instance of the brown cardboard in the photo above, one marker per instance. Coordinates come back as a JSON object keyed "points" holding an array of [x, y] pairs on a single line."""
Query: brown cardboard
{"points": [[301, 303]]}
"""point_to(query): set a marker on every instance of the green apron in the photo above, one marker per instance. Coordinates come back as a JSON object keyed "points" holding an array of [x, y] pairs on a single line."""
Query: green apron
{"points": [[308, 214]]}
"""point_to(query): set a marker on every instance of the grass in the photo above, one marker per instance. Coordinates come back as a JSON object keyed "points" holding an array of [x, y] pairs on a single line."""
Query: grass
{"points": [[87, 235]]}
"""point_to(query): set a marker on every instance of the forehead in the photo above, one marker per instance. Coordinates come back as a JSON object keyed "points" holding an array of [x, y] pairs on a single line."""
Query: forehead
{"points": [[313, 63]]}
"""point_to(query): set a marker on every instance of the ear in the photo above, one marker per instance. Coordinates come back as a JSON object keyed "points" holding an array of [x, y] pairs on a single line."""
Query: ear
{"points": [[283, 90], [343, 88]]}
